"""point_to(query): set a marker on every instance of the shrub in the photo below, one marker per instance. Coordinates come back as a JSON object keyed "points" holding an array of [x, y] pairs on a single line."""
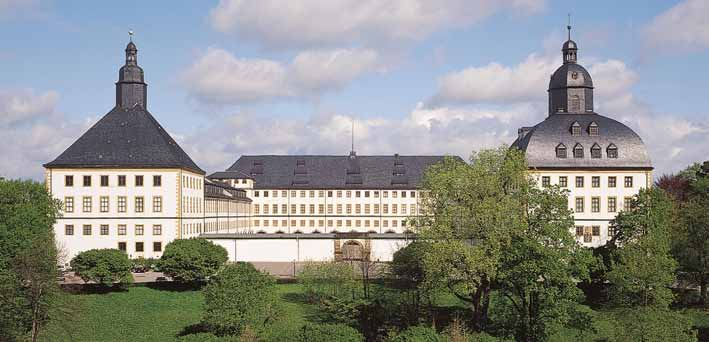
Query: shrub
{"points": [[327, 279], [239, 296], [103, 266], [206, 337], [418, 333], [328, 332], [192, 260], [652, 325]]}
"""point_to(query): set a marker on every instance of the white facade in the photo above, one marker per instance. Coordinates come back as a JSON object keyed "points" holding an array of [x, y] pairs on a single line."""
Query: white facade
{"points": [[116, 211]]}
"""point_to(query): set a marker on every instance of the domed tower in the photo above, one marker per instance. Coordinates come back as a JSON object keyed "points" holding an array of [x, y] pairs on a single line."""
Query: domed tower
{"points": [[131, 89], [602, 162]]}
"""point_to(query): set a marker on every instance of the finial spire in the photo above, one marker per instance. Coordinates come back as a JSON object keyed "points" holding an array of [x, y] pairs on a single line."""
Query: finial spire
{"points": [[130, 35], [568, 25]]}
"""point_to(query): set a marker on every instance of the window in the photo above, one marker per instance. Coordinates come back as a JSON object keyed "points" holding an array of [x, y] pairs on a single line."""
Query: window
{"points": [[413, 194], [366, 194], [139, 205], [139, 180], [321, 209], [587, 237], [104, 180], [139, 229], [627, 203], [329, 193], [579, 230], [311, 209], [596, 182], [376, 194], [563, 181], [103, 204], [311, 193], [302, 209], [628, 181], [321, 193], [578, 151], [139, 247], [611, 181], [302, 193], [157, 246], [293, 209], [561, 151], [579, 181], [87, 180], [595, 204], [157, 180], [121, 180], [86, 204], [339, 209], [121, 204], [69, 204], [339, 193], [593, 129], [546, 181], [87, 229], [595, 151], [157, 229], [265, 193], [385, 208], [104, 229], [611, 231], [579, 205], [122, 229], [612, 151], [122, 246], [69, 180], [69, 229], [348, 209], [612, 205], [157, 204], [596, 230], [256, 193], [575, 129]]}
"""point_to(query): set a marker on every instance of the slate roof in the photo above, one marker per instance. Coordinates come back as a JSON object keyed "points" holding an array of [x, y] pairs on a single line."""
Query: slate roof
{"points": [[333, 172], [563, 77], [540, 143], [217, 189], [125, 138]]}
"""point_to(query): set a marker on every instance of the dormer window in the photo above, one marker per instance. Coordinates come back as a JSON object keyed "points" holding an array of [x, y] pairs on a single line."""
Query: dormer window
{"points": [[578, 151], [595, 151], [612, 151], [561, 151], [593, 129], [575, 129]]}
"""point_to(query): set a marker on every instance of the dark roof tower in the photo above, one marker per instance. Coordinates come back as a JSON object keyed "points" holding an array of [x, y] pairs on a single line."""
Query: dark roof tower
{"points": [[571, 86], [131, 89], [128, 136]]}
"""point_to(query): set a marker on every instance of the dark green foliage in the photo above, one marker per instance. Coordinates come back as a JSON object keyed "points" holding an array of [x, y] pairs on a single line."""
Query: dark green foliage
{"points": [[28, 258], [192, 260], [103, 266], [652, 325], [239, 296], [322, 280], [328, 333], [206, 337], [418, 333]]}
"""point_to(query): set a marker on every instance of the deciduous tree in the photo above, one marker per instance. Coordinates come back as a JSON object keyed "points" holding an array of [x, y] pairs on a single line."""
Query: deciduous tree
{"points": [[192, 260]]}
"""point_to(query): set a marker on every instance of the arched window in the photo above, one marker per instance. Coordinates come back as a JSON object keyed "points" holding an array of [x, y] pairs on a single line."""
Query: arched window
{"points": [[612, 151], [595, 151], [593, 129], [578, 151], [353, 250], [561, 151], [575, 129]]}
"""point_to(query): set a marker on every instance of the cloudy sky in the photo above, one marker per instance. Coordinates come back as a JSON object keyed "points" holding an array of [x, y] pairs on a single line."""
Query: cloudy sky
{"points": [[235, 77]]}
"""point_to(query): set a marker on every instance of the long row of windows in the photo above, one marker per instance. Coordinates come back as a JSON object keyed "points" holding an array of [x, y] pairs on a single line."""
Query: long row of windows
{"points": [[104, 180], [332, 193], [87, 204], [104, 229], [192, 182], [330, 223], [611, 204], [191, 204], [589, 232], [596, 151], [140, 246], [348, 209], [595, 181]]}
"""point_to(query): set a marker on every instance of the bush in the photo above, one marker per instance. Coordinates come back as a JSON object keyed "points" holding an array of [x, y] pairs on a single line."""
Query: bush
{"points": [[652, 325], [239, 296], [327, 279], [205, 337], [418, 333], [328, 332], [192, 260], [103, 266]]}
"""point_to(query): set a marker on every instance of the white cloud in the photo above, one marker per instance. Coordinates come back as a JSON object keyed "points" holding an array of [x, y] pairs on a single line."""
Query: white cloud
{"points": [[682, 27], [220, 78], [308, 23], [33, 132]]}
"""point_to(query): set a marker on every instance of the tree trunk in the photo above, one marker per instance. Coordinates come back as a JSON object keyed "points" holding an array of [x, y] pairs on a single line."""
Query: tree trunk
{"points": [[703, 290], [481, 303]]}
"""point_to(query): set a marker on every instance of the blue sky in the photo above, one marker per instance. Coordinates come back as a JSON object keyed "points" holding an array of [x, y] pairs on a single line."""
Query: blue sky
{"points": [[418, 77]]}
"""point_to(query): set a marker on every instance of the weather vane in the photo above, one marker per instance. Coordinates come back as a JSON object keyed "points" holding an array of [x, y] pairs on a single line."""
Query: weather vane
{"points": [[568, 25]]}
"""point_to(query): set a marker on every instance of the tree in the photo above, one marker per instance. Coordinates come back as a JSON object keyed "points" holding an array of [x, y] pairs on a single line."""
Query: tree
{"points": [[239, 296], [323, 280], [103, 266], [649, 324], [471, 212], [409, 271], [328, 332], [192, 260], [28, 258]]}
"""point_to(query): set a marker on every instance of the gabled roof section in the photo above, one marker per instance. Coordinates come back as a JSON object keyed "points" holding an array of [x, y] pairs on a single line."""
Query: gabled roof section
{"points": [[125, 138], [335, 172]]}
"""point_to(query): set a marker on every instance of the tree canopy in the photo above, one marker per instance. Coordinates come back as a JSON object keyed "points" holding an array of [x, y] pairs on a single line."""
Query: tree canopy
{"points": [[192, 260], [103, 266]]}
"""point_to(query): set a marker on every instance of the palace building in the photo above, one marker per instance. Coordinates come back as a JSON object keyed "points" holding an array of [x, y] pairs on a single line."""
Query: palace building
{"points": [[601, 161]]}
